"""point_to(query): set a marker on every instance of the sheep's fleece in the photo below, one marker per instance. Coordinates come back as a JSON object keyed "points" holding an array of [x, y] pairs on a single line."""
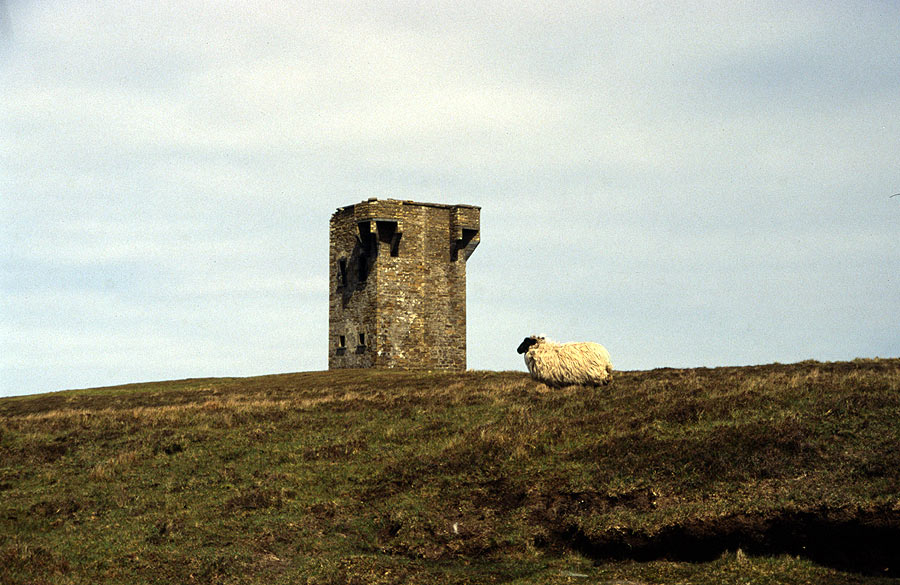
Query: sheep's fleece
{"points": [[564, 364]]}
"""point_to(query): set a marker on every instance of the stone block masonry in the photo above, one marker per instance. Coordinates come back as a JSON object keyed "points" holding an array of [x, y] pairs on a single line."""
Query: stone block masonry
{"points": [[397, 286]]}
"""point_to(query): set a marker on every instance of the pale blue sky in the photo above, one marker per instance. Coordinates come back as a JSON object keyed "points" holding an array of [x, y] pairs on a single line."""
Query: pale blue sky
{"points": [[696, 184]]}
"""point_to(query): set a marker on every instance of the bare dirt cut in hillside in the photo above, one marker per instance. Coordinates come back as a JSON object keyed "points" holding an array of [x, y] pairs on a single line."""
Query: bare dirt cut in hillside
{"points": [[853, 540]]}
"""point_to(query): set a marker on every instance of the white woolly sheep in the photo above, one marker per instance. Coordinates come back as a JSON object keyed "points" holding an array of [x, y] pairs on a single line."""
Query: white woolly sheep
{"points": [[565, 364]]}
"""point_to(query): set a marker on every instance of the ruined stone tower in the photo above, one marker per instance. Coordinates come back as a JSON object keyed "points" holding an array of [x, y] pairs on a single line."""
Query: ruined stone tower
{"points": [[397, 290]]}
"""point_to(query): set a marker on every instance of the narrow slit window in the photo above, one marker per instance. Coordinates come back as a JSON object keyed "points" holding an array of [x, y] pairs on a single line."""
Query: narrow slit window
{"points": [[363, 267], [362, 338], [343, 341], [343, 266]]}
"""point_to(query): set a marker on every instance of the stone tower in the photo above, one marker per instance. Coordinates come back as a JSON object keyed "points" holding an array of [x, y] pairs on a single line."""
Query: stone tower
{"points": [[397, 290]]}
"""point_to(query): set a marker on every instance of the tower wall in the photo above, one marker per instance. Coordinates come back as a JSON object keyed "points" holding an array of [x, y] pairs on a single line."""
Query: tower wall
{"points": [[398, 278]]}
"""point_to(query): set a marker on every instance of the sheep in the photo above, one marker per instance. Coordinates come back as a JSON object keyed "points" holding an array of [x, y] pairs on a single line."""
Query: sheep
{"points": [[565, 364]]}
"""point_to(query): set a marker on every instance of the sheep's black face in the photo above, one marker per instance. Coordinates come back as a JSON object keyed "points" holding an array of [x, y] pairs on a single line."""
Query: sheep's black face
{"points": [[528, 342]]}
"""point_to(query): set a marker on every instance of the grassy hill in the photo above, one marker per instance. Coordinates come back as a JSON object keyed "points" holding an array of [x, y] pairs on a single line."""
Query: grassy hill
{"points": [[769, 474]]}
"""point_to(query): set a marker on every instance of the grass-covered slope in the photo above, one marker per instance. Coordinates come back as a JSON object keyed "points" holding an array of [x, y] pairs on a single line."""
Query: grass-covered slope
{"points": [[770, 474]]}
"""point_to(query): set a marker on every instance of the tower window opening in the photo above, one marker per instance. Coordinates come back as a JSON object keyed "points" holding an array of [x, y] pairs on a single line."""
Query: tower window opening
{"points": [[361, 348], [363, 267], [343, 342], [388, 233], [343, 266]]}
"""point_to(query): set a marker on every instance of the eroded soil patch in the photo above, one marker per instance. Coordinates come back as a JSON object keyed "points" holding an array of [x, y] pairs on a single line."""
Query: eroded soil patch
{"points": [[862, 541]]}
